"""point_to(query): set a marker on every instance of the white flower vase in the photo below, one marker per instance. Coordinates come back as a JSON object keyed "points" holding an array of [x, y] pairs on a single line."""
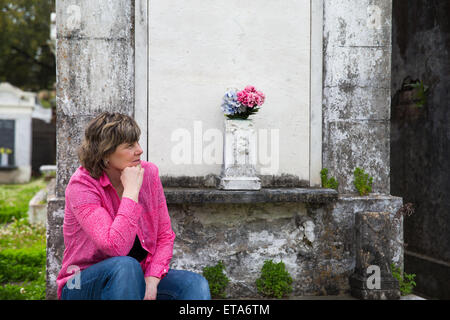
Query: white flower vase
{"points": [[239, 156], [4, 160]]}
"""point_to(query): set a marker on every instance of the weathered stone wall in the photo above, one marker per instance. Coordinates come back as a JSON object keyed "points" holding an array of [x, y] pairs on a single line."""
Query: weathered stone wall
{"points": [[356, 99], [316, 242], [420, 148], [95, 70], [95, 73]]}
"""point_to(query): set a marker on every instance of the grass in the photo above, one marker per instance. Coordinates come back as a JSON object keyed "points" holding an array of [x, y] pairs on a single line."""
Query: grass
{"points": [[14, 199], [22, 246]]}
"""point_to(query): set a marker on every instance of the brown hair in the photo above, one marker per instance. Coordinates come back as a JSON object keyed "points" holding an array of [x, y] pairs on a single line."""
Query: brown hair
{"points": [[102, 136]]}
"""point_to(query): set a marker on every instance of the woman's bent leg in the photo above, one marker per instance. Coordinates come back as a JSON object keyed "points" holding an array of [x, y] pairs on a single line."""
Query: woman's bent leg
{"points": [[183, 285], [117, 278]]}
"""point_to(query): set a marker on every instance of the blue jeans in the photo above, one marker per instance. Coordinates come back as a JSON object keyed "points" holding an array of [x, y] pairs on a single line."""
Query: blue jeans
{"points": [[121, 278]]}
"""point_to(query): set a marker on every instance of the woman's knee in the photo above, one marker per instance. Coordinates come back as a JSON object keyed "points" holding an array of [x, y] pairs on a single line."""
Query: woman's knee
{"points": [[198, 288], [203, 291], [126, 279], [126, 267]]}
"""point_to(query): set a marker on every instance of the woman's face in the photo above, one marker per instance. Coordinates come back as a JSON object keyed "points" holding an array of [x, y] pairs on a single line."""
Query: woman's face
{"points": [[125, 155]]}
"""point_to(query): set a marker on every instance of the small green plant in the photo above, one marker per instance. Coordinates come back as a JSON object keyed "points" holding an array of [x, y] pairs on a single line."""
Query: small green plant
{"points": [[275, 280], [328, 183], [362, 182], [217, 280], [421, 92], [406, 282]]}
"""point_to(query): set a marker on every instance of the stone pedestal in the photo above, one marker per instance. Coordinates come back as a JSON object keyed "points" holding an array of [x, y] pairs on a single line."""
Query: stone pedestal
{"points": [[37, 208], [372, 278], [239, 156]]}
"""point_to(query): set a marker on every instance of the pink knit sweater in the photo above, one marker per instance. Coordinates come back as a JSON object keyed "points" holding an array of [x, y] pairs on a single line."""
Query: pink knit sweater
{"points": [[98, 225]]}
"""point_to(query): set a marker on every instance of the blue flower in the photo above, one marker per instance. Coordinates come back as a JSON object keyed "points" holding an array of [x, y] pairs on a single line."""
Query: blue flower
{"points": [[231, 105]]}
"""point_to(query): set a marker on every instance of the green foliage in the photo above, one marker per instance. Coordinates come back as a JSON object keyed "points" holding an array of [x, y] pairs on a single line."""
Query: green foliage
{"points": [[28, 290], [217, 280], [421, 92], [47, 98], [328, 183], [19, 234], [26, 59], [275, 280], [362, 182], [243, 115], [406, 282], [14, 199], [22, 261], [21, 264]]}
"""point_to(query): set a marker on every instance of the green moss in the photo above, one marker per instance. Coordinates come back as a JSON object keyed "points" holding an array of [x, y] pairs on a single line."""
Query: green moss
{"points": [[328, 183], [405, 281], [421, 92], [217, 280], [274, 281], [362, 182]]}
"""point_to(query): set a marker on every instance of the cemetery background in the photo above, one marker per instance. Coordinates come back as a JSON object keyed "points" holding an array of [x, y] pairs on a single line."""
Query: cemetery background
{"points": [[330, 279], [27, 129]]}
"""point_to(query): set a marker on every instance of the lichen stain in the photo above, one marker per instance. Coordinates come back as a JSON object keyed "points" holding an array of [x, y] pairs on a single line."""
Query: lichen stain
{"points": [[342, 31]]}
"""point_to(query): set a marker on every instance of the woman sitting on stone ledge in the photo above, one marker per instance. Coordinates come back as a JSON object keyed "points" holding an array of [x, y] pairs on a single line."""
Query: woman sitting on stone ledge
{"points": [[117, 231]]}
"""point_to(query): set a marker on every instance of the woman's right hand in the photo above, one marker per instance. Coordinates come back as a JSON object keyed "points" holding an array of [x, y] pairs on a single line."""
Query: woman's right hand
{"points": [[131, 178]]}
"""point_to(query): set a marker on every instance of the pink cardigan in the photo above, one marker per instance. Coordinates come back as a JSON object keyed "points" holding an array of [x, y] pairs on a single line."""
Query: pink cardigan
{"points": [[98, 225]]}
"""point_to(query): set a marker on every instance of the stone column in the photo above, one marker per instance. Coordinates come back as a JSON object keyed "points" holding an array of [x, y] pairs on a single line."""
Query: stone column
{"points": [[95, 73], [356, 90], [374, 234]]}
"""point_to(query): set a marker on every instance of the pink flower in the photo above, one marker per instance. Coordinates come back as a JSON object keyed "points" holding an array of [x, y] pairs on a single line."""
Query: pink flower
{"points": [[250, 97]]}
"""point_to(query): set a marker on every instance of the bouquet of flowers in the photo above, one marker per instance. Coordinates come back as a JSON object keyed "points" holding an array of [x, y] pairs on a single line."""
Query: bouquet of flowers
{"points": [[241, 104], [5, 150]]}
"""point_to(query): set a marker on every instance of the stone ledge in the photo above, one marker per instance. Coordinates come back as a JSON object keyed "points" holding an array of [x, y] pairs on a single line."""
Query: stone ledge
{"points": [[209, 195], [371, 197]]}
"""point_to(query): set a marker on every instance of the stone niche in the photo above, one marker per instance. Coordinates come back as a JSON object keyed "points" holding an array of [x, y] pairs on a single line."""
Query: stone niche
{"points": [[16, 108]]}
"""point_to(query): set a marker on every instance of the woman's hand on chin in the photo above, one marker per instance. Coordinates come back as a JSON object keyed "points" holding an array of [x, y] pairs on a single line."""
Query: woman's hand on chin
{"points": [[131, 178]]}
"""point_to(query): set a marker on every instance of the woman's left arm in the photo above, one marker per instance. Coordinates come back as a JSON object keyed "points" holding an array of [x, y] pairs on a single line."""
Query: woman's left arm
{"points": [[159, 265]]}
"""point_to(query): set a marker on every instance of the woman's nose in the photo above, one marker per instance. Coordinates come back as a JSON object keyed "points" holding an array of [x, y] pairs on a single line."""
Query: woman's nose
{"points": [[139, 150]]}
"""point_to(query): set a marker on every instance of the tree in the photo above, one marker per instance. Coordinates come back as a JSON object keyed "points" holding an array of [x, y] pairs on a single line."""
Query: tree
{"points": [[26, 60]]}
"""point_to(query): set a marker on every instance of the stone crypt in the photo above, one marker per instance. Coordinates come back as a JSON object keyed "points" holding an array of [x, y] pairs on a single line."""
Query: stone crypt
{"points": [[324, 66]]}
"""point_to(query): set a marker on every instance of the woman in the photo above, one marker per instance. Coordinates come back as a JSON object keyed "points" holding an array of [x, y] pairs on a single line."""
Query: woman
{"points": [[117, 232]]}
